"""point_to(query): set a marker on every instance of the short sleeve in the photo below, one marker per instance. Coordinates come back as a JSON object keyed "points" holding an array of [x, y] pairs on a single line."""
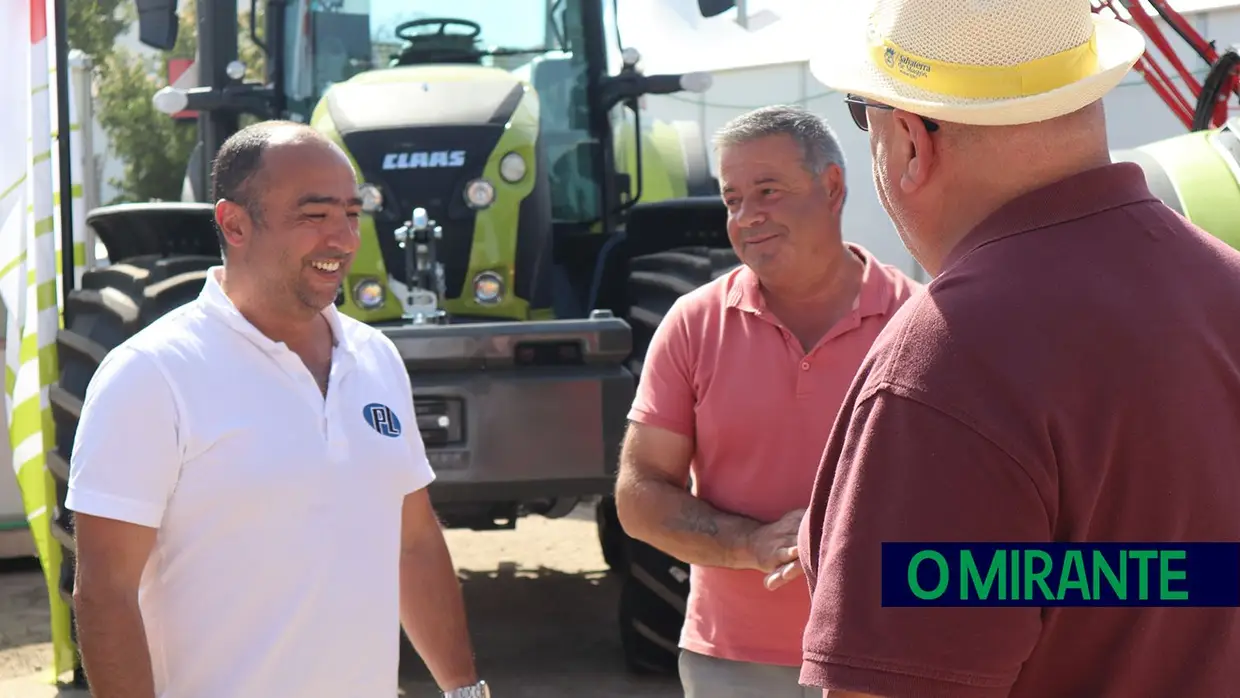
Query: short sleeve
{"points": [[908, 472], [127, 451], [665, 396], [419, 472]]}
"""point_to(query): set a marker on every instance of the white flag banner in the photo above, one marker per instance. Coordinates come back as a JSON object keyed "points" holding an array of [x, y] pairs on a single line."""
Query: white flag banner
{"points": [[29, 265]]}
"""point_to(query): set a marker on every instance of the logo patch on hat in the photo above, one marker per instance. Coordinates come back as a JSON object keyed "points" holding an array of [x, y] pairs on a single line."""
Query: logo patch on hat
{"points": [[382, 419]]}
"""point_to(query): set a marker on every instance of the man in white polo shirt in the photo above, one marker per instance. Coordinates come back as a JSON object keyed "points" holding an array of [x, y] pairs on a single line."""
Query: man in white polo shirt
{"points": [[248, 480]]}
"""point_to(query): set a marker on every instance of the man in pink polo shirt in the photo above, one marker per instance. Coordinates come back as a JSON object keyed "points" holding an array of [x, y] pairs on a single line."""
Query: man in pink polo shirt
{"points": [[739, 387]]}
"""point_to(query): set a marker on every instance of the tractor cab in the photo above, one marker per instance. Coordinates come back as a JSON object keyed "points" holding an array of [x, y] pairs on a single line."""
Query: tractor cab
{"points": [[498, 145], [492, 118]]}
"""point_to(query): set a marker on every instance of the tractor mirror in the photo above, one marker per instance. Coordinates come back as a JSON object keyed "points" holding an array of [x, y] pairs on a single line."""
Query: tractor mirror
{"points": [[710, 8], [157, 23]]}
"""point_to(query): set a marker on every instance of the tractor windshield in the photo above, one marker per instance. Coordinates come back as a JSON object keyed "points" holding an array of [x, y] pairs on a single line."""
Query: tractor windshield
{"points": [[333, 40], [510, 32]]}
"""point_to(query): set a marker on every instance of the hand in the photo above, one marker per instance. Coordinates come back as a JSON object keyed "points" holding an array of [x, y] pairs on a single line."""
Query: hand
{"points": [[786, 573], [775, 544]]}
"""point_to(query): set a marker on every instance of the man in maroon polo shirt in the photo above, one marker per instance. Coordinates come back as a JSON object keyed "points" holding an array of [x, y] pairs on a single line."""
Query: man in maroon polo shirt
{"points": [[1072, 374]]}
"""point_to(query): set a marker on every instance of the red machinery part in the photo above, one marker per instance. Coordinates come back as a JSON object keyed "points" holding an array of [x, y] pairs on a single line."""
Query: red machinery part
{"points": [[1185, 98]]}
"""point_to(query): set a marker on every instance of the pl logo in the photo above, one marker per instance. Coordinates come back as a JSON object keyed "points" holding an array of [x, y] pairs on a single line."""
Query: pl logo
{"points": [[382, 419]]}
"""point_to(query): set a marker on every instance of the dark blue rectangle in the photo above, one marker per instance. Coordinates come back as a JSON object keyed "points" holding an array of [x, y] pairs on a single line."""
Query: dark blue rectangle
{"points": [[1077, 574]]}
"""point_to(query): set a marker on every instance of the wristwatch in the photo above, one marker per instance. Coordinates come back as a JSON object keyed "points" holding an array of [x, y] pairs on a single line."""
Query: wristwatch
{"points": [[478, 690]]}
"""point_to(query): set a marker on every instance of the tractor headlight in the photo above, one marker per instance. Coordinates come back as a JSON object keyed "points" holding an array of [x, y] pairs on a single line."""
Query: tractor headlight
{"points": [[512, 167], [368, 294], [488, 288], [372, 197], [479, 193]]}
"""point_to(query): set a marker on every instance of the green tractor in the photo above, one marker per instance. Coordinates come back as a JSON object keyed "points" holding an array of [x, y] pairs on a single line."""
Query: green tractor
{"points": [[524, 233]]}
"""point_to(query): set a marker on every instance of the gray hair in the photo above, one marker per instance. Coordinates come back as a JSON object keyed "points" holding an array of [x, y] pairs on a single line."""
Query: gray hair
{"points": [[817, 141]]}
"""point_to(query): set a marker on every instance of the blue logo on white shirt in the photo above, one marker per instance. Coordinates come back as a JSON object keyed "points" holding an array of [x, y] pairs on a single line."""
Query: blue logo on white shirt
{"points": [[382, 419]]}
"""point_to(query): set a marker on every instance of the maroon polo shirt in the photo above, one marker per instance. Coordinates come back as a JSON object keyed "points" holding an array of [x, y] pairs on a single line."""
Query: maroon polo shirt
{"points": [[1072, 375]]}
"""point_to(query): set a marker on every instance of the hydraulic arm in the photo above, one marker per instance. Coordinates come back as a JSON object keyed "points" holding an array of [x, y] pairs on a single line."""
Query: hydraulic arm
{"points": [[1200, 105]]}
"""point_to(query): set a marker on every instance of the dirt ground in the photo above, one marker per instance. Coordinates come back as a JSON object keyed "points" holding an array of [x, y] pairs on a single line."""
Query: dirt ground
{"points": [[542, 612]]}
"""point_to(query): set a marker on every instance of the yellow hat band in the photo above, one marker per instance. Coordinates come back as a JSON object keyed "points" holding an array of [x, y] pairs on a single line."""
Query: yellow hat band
{"points": [[987, 81]]}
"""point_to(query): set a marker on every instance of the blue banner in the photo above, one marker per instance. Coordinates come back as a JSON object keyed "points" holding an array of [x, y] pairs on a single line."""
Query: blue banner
{"points": [[1061, 574]]}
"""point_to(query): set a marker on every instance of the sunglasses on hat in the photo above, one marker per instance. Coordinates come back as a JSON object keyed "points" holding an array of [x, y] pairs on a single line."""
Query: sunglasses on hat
{"points": [[857, 106]]}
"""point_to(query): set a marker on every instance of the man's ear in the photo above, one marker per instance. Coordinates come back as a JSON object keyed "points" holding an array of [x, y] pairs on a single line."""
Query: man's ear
{"points": [[234, 221], [917, 149], [832, 181]]}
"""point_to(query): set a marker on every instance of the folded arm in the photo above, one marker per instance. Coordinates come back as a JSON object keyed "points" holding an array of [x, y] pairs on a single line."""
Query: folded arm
{"points": [[655, 505]]}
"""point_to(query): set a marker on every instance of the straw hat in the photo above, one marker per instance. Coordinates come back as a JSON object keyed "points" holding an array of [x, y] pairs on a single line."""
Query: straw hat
{"points": [[985, 62]]}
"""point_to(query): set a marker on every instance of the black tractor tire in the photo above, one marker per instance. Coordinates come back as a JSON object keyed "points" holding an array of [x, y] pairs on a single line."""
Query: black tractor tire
{"points": [[657, 280], [110, 305], [652, 610], [611, 536], [655, 586]]}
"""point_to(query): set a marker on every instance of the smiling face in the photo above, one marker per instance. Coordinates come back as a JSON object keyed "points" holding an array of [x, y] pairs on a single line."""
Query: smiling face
{"points": [[300, 245], [782, 219]]}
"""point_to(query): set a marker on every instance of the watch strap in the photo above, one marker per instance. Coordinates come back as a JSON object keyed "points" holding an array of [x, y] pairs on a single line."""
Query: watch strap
{"points": [[478, 690]]}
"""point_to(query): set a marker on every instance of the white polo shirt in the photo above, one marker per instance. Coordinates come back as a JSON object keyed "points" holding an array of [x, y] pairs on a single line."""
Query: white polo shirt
{"points": [[275, 571]]}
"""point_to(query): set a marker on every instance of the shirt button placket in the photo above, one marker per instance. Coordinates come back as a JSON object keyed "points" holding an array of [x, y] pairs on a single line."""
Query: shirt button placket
{"points": [[803, 379]]}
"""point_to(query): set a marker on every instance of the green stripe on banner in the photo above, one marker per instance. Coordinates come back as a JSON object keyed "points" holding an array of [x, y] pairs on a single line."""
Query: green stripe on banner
{"points": [[77, 194], [79, 254], [47, 297], [12, 265], [44, 225], [13, 187], [39, 494], [47, 355], [26, 420], [72, 128], [79, 257]]}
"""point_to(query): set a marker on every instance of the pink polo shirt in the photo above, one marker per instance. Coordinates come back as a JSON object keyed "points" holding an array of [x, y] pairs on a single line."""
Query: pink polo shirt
{"points": [[722, 370]]}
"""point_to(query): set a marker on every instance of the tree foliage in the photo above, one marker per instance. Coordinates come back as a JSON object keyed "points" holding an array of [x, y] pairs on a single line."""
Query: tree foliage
{"points": [[154, 148], [95, 24]]}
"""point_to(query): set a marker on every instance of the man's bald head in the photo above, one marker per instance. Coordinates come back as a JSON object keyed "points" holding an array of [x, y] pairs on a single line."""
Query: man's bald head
{"points": [[238, 168], [938, 186], [1062, 137]]}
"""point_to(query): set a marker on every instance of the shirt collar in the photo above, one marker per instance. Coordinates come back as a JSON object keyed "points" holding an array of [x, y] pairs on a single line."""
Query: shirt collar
{"points": [[216, 301], [873, 297], [1077, 196]]}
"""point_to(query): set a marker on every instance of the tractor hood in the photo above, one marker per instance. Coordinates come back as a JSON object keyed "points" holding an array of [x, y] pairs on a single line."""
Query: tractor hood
{"points": [[402, 98]]}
